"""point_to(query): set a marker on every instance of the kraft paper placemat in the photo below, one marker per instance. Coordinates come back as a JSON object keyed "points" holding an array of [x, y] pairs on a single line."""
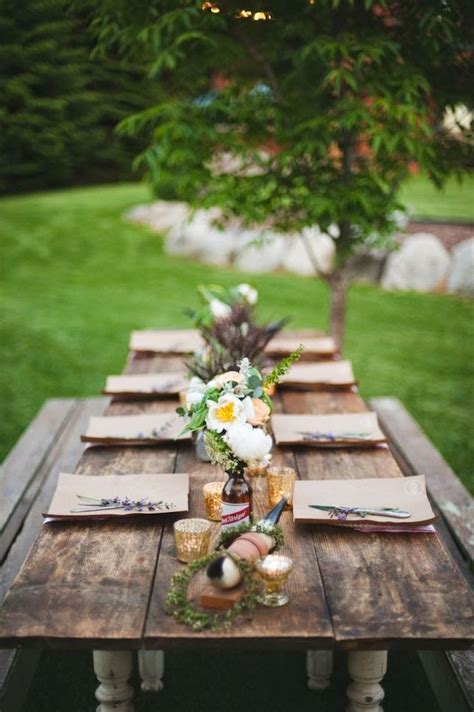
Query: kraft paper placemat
{"points": [[173, 341], [147, 385], [314, 347], [135, 429], [407, 493], [125, 495], [347, 430], [336, 374]]}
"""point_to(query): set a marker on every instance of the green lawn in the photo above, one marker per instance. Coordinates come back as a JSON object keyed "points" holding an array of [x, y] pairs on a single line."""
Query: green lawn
{"points": [[76, 279], [455, 201]]}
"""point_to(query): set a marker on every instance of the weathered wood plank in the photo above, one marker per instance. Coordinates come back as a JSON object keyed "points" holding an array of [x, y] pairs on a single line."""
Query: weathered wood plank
{"points": [[415, 450], [68, 450], [18, 666], [305, 621], [88, 584], [382, 590], [21, 467]]}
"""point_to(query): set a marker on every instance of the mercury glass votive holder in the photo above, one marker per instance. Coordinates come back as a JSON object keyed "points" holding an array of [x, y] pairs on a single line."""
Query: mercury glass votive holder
{"points": [[256, 470], [274, 570], [192, 537], [280, 483], [212, 492]]}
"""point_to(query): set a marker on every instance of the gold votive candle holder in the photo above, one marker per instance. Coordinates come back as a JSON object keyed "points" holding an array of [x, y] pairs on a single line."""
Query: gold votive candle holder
{"points": [[280, 483], [274, 570], [192, 538], [212, 493], [256, 470]]}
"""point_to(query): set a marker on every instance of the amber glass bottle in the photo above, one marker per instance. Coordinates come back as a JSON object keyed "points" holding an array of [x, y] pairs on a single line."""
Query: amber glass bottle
{"points": [[236, 501]]}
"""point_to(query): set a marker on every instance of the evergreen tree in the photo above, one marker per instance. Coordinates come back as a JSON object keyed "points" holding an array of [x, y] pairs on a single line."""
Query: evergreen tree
{"points": [[59, 106]]}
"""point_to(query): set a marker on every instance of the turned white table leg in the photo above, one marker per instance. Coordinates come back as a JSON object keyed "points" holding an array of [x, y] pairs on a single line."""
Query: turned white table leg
{"points": [[319, 668], [151, 664], [366, 669], [113, 669]]}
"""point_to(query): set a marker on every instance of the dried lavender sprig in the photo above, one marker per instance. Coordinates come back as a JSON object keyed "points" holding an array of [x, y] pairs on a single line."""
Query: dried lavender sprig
{"points": [[127, 504], [317, 435]]}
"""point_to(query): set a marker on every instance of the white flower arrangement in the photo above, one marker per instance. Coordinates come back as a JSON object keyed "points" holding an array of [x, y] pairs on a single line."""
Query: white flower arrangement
{"points": [[234, 408]]}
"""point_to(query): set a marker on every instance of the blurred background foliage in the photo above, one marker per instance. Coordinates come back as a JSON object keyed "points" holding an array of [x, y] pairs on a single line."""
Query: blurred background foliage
{"points": [[59, 105]]}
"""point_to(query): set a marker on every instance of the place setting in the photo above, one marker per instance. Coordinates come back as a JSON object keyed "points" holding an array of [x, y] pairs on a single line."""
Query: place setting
{"points": [[93, 497], [326, 375], [153, 429], [146, 385], [328, 431]]}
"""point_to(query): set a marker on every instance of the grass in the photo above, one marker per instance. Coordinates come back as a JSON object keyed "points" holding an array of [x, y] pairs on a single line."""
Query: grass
{"points": [[76, 279], [455, 201]]}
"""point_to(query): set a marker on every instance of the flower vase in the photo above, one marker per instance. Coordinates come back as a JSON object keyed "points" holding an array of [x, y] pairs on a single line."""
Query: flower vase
{"points": [[201, 449]]}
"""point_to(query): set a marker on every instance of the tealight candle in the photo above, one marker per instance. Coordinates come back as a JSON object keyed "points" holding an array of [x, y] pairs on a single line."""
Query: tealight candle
{"points": [[212, 492], [274, 569], [280, 482], [192, 537]]}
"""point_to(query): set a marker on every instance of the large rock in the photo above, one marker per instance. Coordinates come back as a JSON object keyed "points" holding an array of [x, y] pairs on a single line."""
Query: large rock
{"points": [[160, 216], [461, 275], [310, 253], [260, 251], [420, 264], [198, 237]]}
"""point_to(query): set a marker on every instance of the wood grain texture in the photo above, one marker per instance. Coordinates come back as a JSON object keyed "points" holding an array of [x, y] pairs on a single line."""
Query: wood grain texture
{"points": [[104, 587], [446, 490], [396, 590], [304, 621], [86, 584], [22, 466]]}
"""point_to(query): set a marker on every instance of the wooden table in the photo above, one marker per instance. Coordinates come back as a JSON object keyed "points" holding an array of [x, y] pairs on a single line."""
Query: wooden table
{"points": [[102, 586]]}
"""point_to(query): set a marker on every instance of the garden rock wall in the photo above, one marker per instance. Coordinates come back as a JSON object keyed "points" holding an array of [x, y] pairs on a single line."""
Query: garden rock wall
{"points": [[421, 263]]}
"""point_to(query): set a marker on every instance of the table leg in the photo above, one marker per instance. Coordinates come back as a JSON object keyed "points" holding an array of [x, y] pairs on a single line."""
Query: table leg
{"points": [[113, 669], [366, 669], [319, 668], [151, 664]]}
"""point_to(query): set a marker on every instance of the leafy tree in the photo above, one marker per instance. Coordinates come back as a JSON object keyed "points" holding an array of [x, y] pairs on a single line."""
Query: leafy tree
{"points": [[321, 108], [58, 107]]}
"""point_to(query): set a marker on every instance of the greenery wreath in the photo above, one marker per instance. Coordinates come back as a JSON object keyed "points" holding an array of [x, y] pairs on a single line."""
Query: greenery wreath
{"points": [[229, 535], [178, 605]]}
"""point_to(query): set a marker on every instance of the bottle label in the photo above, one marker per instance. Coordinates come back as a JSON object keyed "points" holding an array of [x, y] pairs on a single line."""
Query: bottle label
{"points": [[234, 514]]}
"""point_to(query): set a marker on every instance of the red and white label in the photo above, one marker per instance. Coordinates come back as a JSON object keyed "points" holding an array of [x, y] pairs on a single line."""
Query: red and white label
{"points": [[234, 514]]}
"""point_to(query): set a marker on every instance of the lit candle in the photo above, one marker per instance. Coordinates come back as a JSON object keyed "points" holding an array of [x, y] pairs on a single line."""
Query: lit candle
{"points": [[274, 569]]}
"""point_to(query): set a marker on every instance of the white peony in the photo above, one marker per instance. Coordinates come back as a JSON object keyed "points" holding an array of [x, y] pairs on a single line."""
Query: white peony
{"points": [[192, 398], [228, 411], [248, 293], [249, 444], [219, 309], [195, 391]]}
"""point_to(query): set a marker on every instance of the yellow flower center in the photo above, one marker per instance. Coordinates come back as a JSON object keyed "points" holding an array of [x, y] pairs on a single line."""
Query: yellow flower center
{"points": [[226, 413]]}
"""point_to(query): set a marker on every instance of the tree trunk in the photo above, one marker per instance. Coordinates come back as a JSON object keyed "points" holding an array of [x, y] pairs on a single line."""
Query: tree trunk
{"points": [[338, 285]]}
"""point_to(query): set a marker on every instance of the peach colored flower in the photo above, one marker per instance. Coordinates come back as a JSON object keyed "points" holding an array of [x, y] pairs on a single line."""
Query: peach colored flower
{"points": [[222, 378], [262, 412]]}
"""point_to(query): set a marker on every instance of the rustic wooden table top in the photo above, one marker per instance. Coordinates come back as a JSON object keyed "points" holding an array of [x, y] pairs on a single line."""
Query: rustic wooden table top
{"points": [[103, 585]]}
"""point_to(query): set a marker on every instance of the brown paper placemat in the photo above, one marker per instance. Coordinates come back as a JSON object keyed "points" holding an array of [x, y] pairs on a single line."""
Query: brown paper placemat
{"points": [[341, 430], [334, 374], [314, 347], [135, 429], [408, 493], [171, 341], [148, 385], [170, 489]]}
